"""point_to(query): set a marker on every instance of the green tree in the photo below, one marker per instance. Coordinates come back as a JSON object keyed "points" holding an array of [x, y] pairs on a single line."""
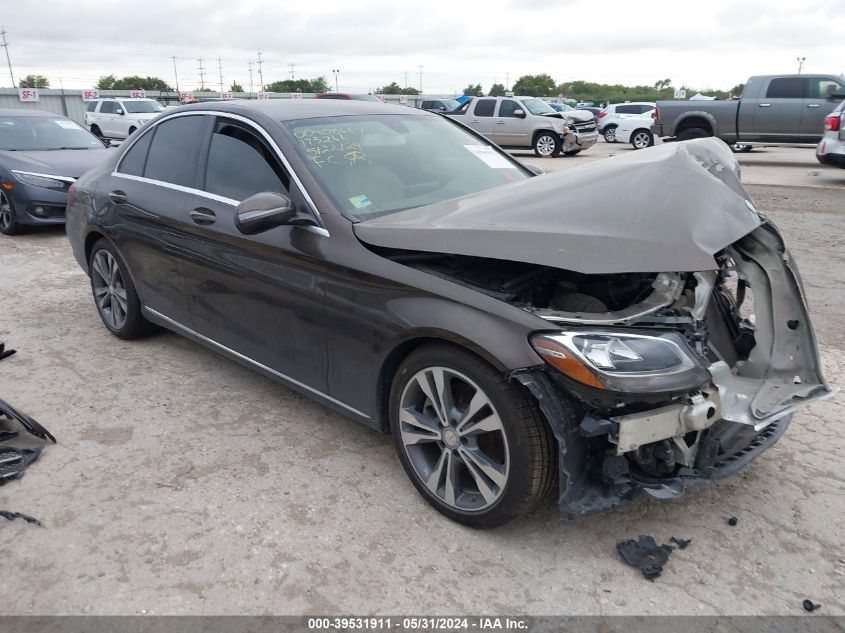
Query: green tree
{"points": [[394, 88], [737, 90], [236, 87], [663, 83], [473, 90], [497, 90], [299, 85], [535, 86], [132, 82], [34, 81]]}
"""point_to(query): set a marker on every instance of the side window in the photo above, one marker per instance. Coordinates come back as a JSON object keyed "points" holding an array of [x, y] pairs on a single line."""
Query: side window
{"points": [[240, 164], [822, 87], [133, 161], [627, 109], [108, 107], [787, 88], [173, 152], [508, 107], [92, 105], [427, 104], [645, 107], [485, 107]]}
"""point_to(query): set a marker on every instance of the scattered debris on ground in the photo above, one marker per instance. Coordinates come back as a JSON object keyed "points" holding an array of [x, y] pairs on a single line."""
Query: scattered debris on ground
{"points": [[645, 554], [682, 543], [32, 427], [811, 606], [5, 353], [11, 516], [733, 521]]}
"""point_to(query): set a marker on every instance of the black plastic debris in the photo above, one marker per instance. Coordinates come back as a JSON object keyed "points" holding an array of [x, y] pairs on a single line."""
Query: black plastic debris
{"points": [[5, 353], [645, 554], [14, 461], [810, 606], [733, 521], [11, 516], [682, 543], [27, 422]]}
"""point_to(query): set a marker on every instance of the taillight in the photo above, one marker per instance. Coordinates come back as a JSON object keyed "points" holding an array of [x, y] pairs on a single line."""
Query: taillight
{"points": [[656, 114], [602, 114], [831, 123], [70, 191]]}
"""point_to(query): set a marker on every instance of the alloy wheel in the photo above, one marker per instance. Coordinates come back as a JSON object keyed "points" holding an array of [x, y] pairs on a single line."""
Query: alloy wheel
{"points": [[545, 145], [641, 140], [610, 134], [109, 289], [6, 220], [454, 439]]}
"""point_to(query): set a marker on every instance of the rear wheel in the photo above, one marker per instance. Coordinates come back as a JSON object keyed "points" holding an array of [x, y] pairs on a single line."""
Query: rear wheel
{"points": [[472, 441], [694, 132], [741, 148], [609, 134], [114, 293], [8, 225], [572, 152], [641, 139], [546, 144]]}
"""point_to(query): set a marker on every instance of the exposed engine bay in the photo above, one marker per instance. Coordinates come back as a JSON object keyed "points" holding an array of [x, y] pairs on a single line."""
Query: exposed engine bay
{"points": [[744, 323]]}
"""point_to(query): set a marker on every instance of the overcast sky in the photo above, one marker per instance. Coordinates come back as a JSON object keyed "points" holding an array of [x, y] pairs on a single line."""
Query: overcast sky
{"points": [[717, 44]]}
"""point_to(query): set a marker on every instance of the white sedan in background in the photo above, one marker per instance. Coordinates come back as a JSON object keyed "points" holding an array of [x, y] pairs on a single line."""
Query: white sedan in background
{"points": [[636, 130]]}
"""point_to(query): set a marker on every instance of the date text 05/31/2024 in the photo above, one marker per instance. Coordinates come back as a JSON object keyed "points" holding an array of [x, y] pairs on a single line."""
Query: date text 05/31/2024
{"points": [[430, 623]]}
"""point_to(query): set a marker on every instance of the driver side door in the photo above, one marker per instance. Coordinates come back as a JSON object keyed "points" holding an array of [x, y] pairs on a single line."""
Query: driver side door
{"points": [[512, 130]]}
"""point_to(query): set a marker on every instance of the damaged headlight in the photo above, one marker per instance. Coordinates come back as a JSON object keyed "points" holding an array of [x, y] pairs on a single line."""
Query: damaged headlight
{"points": [[623, 361]]}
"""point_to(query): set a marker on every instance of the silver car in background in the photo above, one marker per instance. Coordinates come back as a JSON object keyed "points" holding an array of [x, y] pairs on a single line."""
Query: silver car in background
{"points": [[831, 149]]}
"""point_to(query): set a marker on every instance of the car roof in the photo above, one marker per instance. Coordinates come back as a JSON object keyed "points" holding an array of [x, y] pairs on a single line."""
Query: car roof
{"points": [[293, 109], [16, 112]]}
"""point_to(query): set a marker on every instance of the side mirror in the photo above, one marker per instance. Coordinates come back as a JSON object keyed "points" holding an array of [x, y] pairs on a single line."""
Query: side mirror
{"points": [[519, 113], [534, 169], [265, 211], [443, 108], [119, 111], [835, 96]]}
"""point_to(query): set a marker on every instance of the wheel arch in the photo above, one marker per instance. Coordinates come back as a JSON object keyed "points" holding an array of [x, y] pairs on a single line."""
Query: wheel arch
{"points": [[697, 119]]}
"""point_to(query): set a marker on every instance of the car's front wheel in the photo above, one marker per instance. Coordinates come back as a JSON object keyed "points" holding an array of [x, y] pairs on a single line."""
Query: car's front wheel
{"points": [[641, 139], [114, 293], [472, 441], [546, 144], [8, 225]]}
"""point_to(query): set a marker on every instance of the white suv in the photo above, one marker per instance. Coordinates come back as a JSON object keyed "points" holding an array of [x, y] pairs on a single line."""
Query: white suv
{"points": [[612, 115], [116, 117]]}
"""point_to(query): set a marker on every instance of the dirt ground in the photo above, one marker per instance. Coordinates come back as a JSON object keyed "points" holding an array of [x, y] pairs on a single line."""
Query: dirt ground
{"points": [[184, 483]]}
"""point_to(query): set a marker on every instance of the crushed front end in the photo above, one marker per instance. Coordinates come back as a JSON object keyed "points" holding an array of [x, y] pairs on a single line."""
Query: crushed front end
{"points": [[686, 380]]}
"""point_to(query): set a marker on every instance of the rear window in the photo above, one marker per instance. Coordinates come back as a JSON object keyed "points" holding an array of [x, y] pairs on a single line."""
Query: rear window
{"points": [[628, 109], [787, 88], [173, 153]]}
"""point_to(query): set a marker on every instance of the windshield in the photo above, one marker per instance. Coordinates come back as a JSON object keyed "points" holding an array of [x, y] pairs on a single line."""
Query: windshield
{"points": [[365, 98], [451, 104], [142, 107], [535, 106], [44, 133], [378, 164]]}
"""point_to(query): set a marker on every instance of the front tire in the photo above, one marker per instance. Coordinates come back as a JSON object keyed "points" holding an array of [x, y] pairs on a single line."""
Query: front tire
{"points": [[8, 224], [546, 145], [609, 134], [471, 440], [114, 293], [641, 139]]}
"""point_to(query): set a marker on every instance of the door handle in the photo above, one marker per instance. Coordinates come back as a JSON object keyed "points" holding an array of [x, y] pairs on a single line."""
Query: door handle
{"points": [[201, 215], [118, 197], [765, 105], [812, 105]]}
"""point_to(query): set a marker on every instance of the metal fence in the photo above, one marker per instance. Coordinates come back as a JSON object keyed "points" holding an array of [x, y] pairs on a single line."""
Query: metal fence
{"points": [[69, 102]]}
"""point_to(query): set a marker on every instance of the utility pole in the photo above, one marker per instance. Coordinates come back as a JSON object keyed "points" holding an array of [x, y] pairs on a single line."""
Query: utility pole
{"points": [[220, 71], [420, 67], [800, 61], [175, 74], [250, 62], [291, 71], [507, 81], [405, 85], [260, 74], [336, 72], [202, 74], [5, 45]]}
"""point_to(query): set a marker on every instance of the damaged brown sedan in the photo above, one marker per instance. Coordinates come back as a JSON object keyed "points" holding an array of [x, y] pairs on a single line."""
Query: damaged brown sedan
{"points": [[521, 337]]}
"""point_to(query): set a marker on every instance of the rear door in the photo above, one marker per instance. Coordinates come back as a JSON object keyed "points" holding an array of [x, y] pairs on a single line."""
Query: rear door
{"points": [[817, 105], [511, 130], [480, 117], [147, 196], [779, 110], [258, 295], [106, 118]]}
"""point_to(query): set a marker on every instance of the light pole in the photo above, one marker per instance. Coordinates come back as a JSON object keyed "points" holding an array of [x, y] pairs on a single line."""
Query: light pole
{"points": [[800, 61], [420, 67], [336, 72], [175, 74]]}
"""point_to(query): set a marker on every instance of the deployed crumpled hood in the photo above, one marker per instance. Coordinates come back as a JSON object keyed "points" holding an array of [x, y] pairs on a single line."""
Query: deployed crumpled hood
{"points": [[578, 116], [665, 209], [57, 162]]}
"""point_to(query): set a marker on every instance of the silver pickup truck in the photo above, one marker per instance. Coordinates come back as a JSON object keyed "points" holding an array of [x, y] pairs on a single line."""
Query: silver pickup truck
{"points": [[772, 109]]}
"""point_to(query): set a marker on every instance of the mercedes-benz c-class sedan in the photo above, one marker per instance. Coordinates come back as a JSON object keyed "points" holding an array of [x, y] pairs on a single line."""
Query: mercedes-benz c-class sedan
{"points": [[523, 337]]}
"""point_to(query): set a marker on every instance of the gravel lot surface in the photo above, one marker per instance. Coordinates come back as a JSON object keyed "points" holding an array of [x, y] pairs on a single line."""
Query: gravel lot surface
{"points": [[185, 483]]}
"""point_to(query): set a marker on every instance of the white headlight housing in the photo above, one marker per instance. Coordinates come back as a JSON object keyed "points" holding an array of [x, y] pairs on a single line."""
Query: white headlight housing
{"points": [[41, 180]]}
